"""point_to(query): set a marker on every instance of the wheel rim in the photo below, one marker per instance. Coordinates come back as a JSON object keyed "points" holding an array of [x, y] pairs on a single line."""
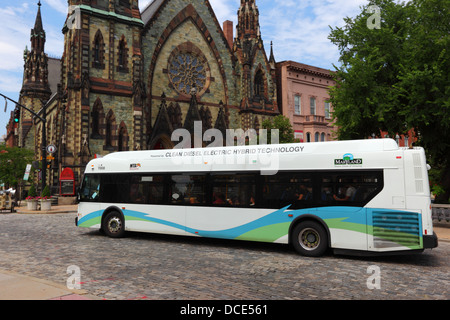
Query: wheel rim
{"points": [[309, 239], [114, 225]]}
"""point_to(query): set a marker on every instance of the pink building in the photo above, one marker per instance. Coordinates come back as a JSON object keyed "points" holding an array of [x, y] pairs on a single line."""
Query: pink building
{"points": [[303, 98]]}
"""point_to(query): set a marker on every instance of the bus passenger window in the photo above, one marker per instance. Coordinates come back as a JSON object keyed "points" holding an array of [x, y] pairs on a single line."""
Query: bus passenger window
{"points": [[294, 189], [137, 190], [350, 189], [187, 189], [237, 190]]}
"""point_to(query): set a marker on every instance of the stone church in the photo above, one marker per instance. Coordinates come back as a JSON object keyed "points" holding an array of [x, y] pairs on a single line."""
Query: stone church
{"points": [[127, 79]]}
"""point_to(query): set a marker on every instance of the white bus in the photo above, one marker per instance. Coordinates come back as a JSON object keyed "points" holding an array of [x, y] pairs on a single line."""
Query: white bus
{"points": [[363, 196]]}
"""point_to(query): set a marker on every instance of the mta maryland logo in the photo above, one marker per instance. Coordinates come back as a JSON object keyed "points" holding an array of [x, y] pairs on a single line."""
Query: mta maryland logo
{"points": [[348, 159]]}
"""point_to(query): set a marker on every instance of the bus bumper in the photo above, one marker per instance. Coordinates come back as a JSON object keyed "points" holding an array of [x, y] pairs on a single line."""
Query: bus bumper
{"points": [[430, 241]]}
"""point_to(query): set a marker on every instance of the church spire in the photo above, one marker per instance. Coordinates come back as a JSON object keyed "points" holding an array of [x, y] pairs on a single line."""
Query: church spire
{"points": [[35, 80], [37, 36], [248, 20]]}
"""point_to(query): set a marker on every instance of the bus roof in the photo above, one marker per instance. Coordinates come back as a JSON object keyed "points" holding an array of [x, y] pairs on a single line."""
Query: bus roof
{"points": [[316, 155]]}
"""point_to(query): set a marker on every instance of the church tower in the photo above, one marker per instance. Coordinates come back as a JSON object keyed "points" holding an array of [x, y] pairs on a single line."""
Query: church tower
{"points": [[258, 83], [102, 79], [35, 88]]}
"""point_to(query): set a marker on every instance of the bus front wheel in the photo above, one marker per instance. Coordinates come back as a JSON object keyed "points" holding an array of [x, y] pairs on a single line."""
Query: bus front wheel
{"points": [[113, 225], [309, 238]]}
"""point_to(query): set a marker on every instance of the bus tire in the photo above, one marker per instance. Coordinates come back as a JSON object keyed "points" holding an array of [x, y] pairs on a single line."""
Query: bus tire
{"points": [[309, 239], [114, 225]]}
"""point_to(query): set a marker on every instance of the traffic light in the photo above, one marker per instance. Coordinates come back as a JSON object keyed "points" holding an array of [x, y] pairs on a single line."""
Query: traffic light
{"points": [[16, 115]]}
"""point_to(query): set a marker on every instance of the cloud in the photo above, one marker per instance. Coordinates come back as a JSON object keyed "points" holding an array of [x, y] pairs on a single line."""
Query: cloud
{"points": [[300, 28], [225, 9], [58, 5]]}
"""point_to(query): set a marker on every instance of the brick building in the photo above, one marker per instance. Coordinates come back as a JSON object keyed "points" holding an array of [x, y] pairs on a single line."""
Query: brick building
{"points": [[303, 97], [127, 79]]}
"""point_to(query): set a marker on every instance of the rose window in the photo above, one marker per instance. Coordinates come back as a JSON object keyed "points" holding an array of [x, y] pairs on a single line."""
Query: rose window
{"points": [[187, 70]]}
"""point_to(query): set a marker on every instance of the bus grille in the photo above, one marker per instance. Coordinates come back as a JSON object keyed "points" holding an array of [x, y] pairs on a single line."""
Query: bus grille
{"points": [[394, 229]]}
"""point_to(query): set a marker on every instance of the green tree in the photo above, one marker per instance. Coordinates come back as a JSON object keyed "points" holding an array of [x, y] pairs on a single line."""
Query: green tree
{"points": [[13, 162], [282, 123], [397, 77]]}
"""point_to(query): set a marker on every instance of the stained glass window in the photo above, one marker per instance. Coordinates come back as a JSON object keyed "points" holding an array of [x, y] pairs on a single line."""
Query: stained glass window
{"points": [[187, 70]]}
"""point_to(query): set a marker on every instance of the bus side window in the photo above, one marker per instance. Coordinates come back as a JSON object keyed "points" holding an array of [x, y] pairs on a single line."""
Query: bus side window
{"points": [[155, 189], [236, 190], [137, 193], [355, 189], [187, 189], [294, 189]]}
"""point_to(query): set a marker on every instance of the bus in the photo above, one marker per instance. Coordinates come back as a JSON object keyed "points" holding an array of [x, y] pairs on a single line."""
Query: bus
{"points": [[361, 196]]}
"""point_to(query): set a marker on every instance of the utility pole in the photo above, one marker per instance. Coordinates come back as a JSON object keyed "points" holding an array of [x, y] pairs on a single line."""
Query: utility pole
{"points": [[44, 137]]}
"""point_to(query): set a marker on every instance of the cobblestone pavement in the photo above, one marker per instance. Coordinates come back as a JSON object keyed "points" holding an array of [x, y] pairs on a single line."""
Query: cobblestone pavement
{"points": [[149, 266]]}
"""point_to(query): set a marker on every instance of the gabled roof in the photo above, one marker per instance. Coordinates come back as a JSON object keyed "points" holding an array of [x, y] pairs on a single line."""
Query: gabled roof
{"points": [[148, 13]]}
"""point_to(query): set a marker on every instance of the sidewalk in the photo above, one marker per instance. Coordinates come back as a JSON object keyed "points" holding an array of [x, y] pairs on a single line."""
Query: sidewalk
{"points": [[54, 209], [443, 231], [19, 287]]}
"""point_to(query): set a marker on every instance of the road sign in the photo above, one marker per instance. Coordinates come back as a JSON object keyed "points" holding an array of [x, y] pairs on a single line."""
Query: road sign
{"points": [[51, 148]]}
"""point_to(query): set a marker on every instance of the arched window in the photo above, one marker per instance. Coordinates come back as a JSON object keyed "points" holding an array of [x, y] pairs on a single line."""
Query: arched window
{"points": [[98, 55], [97, 120], [123, 138], [110, 130], [122, 55], [259, 84], [95, 123], [108, 140]]}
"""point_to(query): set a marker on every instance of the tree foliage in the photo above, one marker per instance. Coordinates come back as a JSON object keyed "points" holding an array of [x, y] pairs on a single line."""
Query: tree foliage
{"points": [[13, 162], [397, 77], [282, 123]]}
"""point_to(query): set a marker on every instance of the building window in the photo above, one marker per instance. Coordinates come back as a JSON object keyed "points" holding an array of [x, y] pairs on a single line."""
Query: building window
{"points": [[110, 131], [312, 102], [97, 120], [297, 104], [108, 141], [186, 71], [122, 137], [327, 110], [259, 84], [316, 137], [322, 137], [98, 55], [95, 123], [308, 137], [122, 60]]}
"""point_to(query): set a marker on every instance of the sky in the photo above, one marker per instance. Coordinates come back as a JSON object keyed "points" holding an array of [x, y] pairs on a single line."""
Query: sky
{"points": [[299, 30]]}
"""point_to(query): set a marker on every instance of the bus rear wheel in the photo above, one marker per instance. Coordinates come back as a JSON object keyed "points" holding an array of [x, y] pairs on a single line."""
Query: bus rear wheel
{"points": [[113, 225], [309, 238]]}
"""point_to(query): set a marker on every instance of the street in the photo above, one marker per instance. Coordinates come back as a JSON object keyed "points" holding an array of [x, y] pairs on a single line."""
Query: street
{"points": [[150, 266]]}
